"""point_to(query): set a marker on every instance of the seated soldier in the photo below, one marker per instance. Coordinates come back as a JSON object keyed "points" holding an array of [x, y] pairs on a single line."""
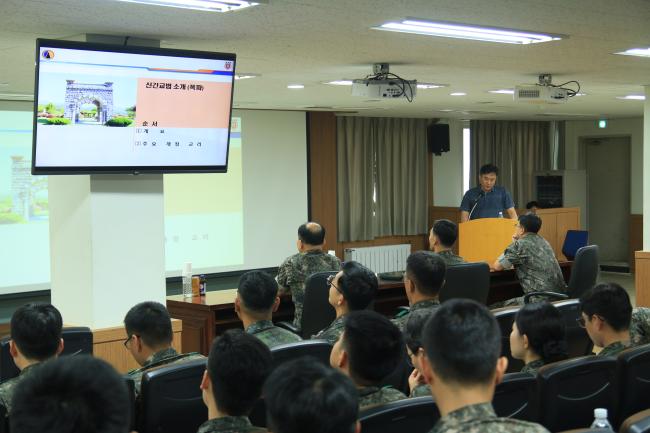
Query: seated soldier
{"points": [[304, 396], [413, 339], [640, 326], [533, 259], [538, 336], [442, 237], [424, 276], [368, 350], [606, 313], [149, 330], [257, 299], [35, 337], [75, 394], [238, 365], [311, 258], [462, 344], [352, 289]]}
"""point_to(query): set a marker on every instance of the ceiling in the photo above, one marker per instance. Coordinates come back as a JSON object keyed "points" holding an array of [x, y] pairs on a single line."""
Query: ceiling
{"points": [[313, 41]]}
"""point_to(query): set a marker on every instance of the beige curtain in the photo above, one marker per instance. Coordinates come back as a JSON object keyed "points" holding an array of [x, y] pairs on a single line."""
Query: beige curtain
{"points": [[518, 148], [382, 177]]}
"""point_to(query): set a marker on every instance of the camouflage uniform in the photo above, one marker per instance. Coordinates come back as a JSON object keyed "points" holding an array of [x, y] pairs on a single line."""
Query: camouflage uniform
{"points": [[450, 258], [421, 390], [480, 418], [332, 332], [293, 272], [373, 396], [163, 357], [640, 326], [401, 318], [533, 366], [536, 266], [229, 424], [614, 349], [270, 334], [7, 387]]}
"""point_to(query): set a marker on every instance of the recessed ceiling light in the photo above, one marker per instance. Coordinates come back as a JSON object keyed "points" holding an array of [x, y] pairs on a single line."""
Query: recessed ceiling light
{"points": [[4, 84], [465, 31], [632, 97], [458, 94], [339, 82], [430, 86], [201, 5], [296, 86], [502, 91], [581, 94], [245, 76], [639, 52], [16, 96]]}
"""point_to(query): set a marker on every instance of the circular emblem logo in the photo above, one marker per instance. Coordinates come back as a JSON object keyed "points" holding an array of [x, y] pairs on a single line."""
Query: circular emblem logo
{"points": [[48, 54]]}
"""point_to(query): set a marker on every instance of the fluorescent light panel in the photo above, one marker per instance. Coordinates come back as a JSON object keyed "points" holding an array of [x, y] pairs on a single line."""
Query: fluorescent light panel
{"points": [[296, 86], [458, 94], [464, 31], [632, 97], [201, 5], [639, 52], [502, 91], [339, 83], [245, 76]]}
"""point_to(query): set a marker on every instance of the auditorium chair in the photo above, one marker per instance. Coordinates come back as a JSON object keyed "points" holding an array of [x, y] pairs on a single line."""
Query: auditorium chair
{"points": [[569, 391], [317, 313], [467, 280], [76, 340], [171, 400], [637, 423], [4, 421], [505, 317], [412, 415], [573, 241], [633, 377], [130, 388], [514, 395], [578, 341], [318, 349], [399, 378]]}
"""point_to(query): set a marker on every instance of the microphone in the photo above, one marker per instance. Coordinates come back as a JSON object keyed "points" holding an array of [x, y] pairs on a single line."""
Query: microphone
{"points": [[480, 196]]}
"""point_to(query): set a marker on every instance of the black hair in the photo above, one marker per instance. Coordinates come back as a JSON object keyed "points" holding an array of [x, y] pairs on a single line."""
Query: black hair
{"points": [[304, 395], [238, 365], [36, 330], [427, 270], [446, 231], [544, 326], [151, 322], [77, 394], [530, 222], [609, 301], [462, 341], [488, 168], [532, 204], [258, 291], [358, 285], [311, 233], [413, 328], [374, 346]]}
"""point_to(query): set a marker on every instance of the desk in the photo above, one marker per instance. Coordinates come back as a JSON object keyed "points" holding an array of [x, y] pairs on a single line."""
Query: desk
{"points": [[207, 316]]}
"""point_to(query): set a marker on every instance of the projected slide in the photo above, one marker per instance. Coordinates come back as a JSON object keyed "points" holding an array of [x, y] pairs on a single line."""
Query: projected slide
{"points": [[99, 109]]}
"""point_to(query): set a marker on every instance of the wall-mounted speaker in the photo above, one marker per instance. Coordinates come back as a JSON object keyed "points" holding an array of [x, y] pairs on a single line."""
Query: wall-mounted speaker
{"points": [[438, 138]]}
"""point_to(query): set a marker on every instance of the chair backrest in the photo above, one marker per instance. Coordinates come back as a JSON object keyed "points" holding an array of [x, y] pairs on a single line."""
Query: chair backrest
{"points": [[505, 317], [584, 272], [569, 391], [574, 240], [130, 387], [319, 349], [467, 280], [634, 381], [637, 423], [317, 313], [578, 341], [171, 400], [513, 397], [77, 340], [4, 421], [412, 415]]}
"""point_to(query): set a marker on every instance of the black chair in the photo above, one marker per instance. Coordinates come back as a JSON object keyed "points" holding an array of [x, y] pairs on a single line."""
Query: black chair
{"points": [[584, 274], [412, 415], [505, 317], [399, 378], [4, 421], [319, 349], [633, 374], [637, 423], [467, 280], [578, 341], [76, 340], [568, 392], [317, 313], [514, 395], [130, 388], [171, 400]]}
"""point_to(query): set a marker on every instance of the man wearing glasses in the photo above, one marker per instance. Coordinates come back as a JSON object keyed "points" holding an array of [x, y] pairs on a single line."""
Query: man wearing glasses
{"points": [[533, 259]]}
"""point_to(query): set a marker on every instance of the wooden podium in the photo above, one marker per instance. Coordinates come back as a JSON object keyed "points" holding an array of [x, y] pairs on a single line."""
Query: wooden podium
{"points": [[484, 239]]}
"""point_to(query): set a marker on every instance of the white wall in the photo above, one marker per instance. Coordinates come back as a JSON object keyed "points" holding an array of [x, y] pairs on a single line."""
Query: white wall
{"points": [[645, 159], [448, 169]]}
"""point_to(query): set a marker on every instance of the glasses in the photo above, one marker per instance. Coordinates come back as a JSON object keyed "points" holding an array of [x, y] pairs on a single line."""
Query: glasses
{"points": [[126, 342], [581, 322], [330, 282]]}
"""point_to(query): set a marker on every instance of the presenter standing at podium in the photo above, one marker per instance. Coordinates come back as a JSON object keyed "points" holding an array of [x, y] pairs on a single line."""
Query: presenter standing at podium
{"points": [[487, 200]]}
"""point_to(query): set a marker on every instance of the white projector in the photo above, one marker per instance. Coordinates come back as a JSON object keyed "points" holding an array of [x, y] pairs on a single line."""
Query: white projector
{"points": [[384, 89], [536, 94]]}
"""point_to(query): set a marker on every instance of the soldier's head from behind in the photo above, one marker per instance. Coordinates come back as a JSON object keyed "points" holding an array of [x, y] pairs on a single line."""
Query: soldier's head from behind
{"points": [[443, 235], [35, 334], [353, 288], [257, 296], [527, 223], [305, 396], [462, 343], [413, 335], [148, 329], [311, 235], [425, 275], [606, 313], [238, 365], [78, 394], [538, 331], [369, 348]]}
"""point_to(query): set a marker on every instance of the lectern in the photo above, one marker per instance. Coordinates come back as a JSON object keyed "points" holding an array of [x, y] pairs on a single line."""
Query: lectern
{"points": [[484, 239]]}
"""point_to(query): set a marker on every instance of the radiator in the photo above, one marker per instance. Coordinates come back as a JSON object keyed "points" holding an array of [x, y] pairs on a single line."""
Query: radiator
{"points": [[389, 258]]}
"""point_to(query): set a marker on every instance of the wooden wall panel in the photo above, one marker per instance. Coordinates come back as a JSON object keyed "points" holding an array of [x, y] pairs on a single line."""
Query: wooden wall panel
{"points": [[636, 238], [642, 278]]}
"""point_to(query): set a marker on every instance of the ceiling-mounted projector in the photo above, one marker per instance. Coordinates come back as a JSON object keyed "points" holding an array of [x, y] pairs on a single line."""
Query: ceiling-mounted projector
{"points": [[544, 92], [384, 85]]}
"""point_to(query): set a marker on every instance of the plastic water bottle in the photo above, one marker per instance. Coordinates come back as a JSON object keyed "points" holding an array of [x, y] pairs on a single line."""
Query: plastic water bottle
{"points": [[187, 280], [600, 419], [500, 214]]}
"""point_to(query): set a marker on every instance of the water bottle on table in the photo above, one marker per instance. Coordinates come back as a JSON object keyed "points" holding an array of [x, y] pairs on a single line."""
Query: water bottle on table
{"points": [[600, 420], [187, 280]]}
